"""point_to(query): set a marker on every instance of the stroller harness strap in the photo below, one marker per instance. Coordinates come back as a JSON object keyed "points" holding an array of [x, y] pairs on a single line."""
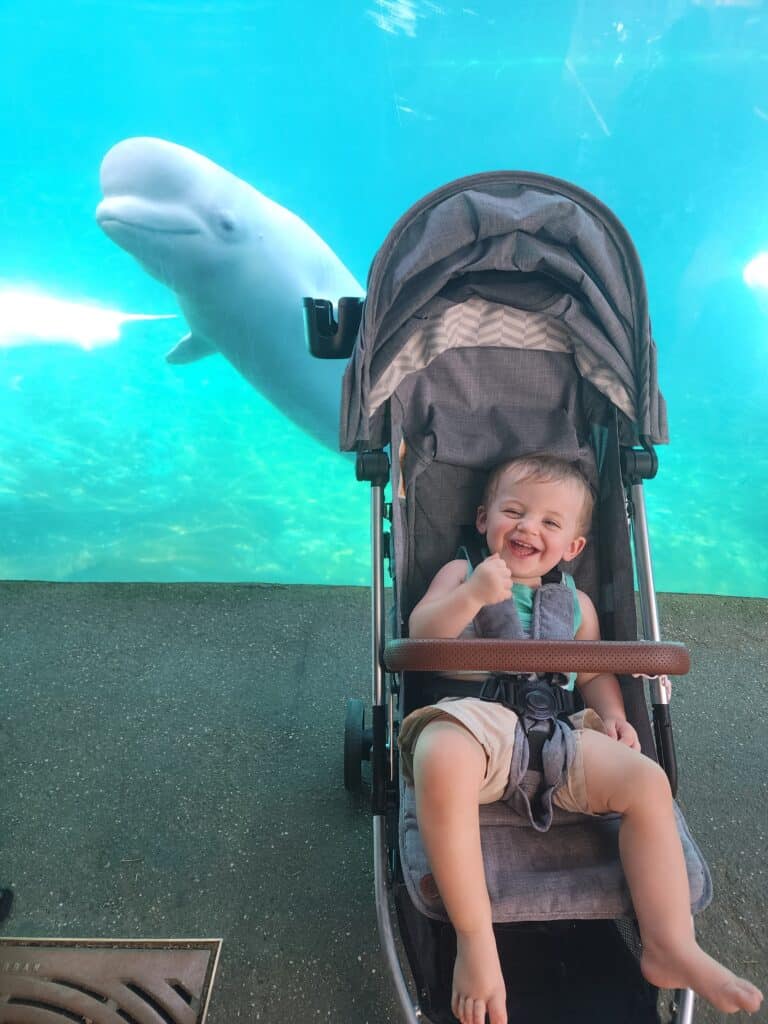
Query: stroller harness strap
{"points": [[544, 746]]}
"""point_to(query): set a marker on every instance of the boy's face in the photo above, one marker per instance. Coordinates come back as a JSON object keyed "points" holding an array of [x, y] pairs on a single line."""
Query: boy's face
{"points": [[533, 524]]}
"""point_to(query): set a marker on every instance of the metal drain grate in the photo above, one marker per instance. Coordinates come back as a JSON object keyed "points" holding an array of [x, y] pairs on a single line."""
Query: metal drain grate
{"points": [[106, 981]]}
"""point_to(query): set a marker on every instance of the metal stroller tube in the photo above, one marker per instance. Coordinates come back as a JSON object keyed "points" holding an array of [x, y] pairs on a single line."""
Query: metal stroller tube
{"points": [[410, 1014], [380, 867], [684, 998], [377, 593], [648, 609]]}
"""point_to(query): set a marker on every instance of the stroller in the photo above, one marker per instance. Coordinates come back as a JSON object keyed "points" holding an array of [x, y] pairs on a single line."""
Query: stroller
{"points": [[506, 314]]}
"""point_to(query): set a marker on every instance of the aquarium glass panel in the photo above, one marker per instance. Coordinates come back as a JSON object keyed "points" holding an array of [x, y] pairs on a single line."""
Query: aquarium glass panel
{"points": [[161, 420]]}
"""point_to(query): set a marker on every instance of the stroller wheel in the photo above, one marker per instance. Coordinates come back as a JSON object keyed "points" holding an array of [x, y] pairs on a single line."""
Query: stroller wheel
{"points": [[357, 744]]}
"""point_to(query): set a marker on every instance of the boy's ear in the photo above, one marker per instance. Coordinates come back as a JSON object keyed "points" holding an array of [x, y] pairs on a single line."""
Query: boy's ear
{"points": [[575, 548], [481, 520]]}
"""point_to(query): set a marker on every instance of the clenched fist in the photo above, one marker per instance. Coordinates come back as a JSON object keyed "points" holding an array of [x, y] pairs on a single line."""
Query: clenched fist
{"points": [[491, 582]]}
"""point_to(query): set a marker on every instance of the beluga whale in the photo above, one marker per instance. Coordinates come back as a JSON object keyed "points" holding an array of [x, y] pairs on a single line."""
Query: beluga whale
{"points": [[239, 265]]}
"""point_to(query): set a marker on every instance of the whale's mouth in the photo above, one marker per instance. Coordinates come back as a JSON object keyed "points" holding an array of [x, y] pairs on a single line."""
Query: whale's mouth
{"points": [[154, 229], [130, 214]]}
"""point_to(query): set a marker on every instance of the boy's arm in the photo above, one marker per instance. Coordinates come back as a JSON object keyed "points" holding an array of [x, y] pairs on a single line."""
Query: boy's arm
{"points": [[453, 599], [447, 607], [601, 691]]}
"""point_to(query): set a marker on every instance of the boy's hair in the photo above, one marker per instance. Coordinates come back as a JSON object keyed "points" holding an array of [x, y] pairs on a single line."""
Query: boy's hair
{"points": [[544, 467]]}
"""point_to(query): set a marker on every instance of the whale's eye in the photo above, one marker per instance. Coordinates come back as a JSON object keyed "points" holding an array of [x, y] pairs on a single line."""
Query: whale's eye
{"points": [[226, 223]]}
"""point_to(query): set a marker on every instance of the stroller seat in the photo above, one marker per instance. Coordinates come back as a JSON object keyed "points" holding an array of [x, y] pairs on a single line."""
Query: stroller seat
{"points": [[570, 873], [450, 420]]}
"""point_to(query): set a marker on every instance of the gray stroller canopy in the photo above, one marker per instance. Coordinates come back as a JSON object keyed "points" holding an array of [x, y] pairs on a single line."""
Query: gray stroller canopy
{"points": [[506, 259]]}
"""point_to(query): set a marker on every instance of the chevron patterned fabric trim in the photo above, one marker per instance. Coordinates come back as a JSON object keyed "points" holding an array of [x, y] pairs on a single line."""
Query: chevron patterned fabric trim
{"points": [[477, 323]]}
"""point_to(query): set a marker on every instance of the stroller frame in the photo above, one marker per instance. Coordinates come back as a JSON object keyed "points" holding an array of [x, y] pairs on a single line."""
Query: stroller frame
{"points": [[328, 340]]}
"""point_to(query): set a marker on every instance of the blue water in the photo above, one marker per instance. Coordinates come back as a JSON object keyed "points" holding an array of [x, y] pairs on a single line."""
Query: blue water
{"points": [[116, 466]]}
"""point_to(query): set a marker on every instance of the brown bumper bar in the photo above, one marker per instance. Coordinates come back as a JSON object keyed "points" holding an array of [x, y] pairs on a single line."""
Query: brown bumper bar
{"points": [[640, 657]]}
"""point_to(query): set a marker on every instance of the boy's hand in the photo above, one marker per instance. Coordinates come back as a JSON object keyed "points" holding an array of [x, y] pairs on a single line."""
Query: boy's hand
{"points": [[620, 729], [491, 582]]}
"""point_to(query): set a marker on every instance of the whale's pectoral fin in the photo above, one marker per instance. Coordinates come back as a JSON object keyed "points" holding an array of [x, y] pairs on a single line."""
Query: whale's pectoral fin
{"points": [[190, 349]]}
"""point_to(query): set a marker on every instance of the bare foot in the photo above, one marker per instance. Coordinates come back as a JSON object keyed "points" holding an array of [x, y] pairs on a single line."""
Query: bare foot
{"points": [[708, 978], [478, 984]]}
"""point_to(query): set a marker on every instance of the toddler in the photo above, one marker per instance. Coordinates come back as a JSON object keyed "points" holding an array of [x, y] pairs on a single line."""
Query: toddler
{"points": [[457, 753]]}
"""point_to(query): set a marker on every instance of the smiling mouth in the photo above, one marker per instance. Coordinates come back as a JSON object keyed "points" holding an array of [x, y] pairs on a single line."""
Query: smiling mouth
{"points": [[521, 550]]}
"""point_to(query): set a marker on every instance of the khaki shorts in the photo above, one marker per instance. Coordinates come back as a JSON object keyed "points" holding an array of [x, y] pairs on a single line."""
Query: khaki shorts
{"points": [[493, 726]]}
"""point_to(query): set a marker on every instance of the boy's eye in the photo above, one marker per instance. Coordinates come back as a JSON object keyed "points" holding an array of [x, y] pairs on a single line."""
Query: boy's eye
{"points": [[552, 522]]}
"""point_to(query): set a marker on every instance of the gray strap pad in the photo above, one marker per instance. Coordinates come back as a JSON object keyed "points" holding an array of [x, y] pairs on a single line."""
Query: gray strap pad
{"points": [[530, 793], [552, 616]]}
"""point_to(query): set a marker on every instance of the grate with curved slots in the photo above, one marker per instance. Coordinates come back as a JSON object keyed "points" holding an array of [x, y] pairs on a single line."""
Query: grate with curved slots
{"points": [[106, 981]]}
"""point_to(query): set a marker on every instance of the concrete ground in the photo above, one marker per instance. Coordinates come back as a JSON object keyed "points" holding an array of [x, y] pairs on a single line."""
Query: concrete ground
{"points": [[172, 767]]}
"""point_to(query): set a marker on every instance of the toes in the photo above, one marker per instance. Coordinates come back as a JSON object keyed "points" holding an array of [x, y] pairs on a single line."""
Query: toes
{"points": [[740, 994], [477, 1015], [463, 1009], [497, 1010], [750, 997], [468, 1010], [457, 1006]]}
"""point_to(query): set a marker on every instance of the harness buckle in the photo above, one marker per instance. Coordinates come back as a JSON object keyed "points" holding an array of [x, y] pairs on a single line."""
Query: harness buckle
{"points": [[533, 697], [537, 700]]}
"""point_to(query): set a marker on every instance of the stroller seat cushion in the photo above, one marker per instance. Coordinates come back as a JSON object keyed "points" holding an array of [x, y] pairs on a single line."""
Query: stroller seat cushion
{"points": [[571, 872]]}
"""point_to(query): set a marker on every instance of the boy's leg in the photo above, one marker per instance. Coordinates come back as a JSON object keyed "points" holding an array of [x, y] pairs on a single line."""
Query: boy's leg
{"points": [[449, 766], [623, 781]]}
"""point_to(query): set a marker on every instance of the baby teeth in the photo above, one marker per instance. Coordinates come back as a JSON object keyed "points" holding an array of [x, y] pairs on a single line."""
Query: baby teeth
{"points": [[523, 547]]}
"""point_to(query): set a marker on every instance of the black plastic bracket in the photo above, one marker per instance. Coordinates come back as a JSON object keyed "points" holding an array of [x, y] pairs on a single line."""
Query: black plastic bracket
{"points": [[373, 466], [326, 338], [638, 464], [379, 759]]}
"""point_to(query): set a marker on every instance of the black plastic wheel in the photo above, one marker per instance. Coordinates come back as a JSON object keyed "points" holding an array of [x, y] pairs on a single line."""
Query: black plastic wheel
{"points": [[354, 745]]}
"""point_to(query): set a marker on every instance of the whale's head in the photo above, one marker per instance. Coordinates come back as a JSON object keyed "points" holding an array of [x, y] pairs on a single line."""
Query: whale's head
{"points": [[180, 215]]}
